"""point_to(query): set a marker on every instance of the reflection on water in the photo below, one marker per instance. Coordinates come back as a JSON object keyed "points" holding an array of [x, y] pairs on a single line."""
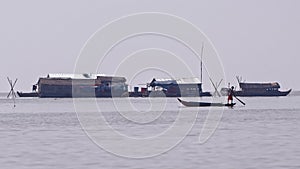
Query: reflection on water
{"points": [[45, 133]]}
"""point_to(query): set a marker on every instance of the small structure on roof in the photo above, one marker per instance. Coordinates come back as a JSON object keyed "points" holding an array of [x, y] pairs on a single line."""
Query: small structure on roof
{"points": [[258, 86]]}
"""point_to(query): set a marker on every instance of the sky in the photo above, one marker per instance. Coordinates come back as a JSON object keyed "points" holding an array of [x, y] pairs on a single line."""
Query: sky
{"points": [[256, 39]]}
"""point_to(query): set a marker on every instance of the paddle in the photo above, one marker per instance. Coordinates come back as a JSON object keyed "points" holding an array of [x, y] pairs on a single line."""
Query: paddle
{"points": [[239, 100]]}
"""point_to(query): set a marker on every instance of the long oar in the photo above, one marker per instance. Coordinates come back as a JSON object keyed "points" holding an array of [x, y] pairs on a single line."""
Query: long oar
{"points": [[239, 100]]}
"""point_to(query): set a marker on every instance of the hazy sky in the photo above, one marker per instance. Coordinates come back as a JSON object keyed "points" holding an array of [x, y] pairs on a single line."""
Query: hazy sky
{"points": [[256, 39]]}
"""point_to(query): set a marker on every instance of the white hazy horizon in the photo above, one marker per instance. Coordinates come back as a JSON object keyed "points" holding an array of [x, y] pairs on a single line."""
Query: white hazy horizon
{"points": [[255, 39]]}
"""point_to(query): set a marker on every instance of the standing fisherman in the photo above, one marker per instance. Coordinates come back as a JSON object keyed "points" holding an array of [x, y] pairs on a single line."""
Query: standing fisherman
{"points": [[230, 95]]}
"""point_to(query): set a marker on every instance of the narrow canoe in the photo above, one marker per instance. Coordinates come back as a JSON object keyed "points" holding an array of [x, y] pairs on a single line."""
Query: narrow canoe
{"points": [[204, 104]]}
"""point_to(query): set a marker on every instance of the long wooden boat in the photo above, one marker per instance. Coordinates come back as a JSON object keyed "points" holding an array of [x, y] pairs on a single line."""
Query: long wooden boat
{"points": [[253, 89], [204, 104]]}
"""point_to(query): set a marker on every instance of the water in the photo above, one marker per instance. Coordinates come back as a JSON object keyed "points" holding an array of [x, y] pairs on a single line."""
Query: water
{"points": [[46, 133]]}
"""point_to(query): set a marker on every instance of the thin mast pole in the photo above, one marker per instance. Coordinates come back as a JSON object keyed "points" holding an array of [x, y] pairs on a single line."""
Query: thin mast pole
{"points": [[201, 61]]}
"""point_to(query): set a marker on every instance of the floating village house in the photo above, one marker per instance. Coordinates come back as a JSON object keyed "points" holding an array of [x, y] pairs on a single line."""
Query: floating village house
{"points": [[184, 87], [82, 85]]}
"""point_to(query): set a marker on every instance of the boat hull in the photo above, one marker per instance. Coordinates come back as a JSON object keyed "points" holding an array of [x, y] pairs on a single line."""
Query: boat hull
{"points": [[204, 104], [30, 94], [262, 93]]}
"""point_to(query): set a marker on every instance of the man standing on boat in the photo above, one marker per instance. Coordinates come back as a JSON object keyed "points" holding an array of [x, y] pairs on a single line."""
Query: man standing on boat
{"points": [[230, 95]]}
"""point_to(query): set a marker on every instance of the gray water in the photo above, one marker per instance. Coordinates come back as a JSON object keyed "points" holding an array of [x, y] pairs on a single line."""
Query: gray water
{"points": [[46, 133]]}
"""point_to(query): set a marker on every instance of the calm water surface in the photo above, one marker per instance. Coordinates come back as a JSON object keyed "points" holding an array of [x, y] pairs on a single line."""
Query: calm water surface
{"points": [[46, 133]]}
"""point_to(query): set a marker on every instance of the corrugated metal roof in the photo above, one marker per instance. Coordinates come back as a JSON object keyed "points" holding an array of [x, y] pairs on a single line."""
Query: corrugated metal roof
{"points": [[193, 80], [74, 76]]}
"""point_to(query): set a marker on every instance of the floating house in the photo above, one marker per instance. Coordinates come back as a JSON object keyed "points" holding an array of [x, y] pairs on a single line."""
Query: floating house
{"points": [[184, 87], [81, 85]]}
